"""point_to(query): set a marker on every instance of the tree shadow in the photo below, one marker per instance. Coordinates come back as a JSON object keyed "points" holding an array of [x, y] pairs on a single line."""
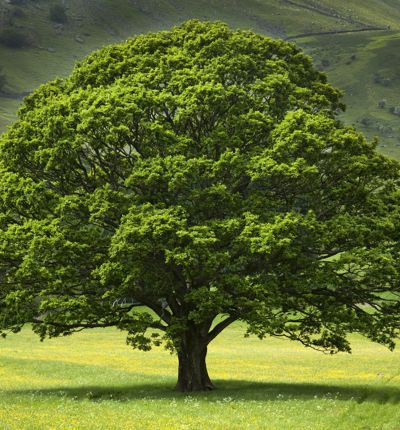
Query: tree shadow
{"points": [[231, 390]]}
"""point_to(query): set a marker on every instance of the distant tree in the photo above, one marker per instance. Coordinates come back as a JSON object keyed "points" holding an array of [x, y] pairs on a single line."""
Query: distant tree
{"points": [[13, 38], [18, 12], [187, 179], [57, 13]]}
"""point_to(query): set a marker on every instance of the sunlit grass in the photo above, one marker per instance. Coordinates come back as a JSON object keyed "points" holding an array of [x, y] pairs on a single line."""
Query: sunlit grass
{"points": [[94, 381]]}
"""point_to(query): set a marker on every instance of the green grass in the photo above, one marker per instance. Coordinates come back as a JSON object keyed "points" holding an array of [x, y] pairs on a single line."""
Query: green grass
{"points": [[8, 108], [93, 381]]}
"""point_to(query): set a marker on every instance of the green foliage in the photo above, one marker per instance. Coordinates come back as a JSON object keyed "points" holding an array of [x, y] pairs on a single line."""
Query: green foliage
{"points": [[57, 13], [199, 171]]}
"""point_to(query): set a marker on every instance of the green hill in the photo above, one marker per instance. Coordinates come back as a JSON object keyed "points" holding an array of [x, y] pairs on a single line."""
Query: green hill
{"points": [[356, 43]]}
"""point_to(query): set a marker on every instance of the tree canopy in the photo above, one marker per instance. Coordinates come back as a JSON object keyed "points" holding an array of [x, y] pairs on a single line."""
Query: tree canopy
{"points": [[186, 179]]}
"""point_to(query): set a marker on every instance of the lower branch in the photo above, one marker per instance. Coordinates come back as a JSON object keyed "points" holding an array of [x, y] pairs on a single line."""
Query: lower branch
{"points": [[82, 326], [221, 326]]}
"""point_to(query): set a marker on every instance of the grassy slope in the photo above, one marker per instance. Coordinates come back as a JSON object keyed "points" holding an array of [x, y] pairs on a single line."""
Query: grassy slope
{"points": [[98, 22], [376, 55], [93, 381]]}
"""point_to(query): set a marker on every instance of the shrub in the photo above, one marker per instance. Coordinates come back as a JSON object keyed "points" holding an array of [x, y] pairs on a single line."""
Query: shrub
{"points": [[13, 38], [17, 12]]}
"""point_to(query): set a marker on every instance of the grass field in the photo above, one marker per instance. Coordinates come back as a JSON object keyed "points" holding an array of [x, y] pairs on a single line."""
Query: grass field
{"points": [[93, 381]]}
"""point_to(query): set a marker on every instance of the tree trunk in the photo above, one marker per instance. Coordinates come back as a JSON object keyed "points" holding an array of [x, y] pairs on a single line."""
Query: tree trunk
{"points": [[192, 369]]}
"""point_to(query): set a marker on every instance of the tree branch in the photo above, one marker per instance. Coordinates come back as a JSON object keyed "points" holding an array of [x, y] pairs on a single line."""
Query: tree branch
{"points": [[220, 327], [154, 324]]}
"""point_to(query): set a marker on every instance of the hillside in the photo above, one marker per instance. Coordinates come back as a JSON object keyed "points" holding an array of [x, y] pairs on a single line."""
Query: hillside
{"points": [[356, 43]]}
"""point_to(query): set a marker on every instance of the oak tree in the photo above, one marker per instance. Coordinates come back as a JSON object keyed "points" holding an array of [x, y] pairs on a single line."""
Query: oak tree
{"points": [[184, 180]]}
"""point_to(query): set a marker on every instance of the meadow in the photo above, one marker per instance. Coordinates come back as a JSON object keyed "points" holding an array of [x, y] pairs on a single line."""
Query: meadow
{"points": [[92, 380]]}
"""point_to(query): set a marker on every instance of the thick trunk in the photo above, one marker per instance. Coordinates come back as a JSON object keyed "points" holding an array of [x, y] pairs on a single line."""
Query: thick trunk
{"points": [[192, 369]]}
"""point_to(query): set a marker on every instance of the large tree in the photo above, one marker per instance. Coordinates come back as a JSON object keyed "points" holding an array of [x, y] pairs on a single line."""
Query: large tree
{"points": [[186, 179]]}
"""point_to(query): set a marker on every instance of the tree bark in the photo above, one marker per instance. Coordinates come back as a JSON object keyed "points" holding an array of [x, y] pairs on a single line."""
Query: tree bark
{"points": [[192, 368]]}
